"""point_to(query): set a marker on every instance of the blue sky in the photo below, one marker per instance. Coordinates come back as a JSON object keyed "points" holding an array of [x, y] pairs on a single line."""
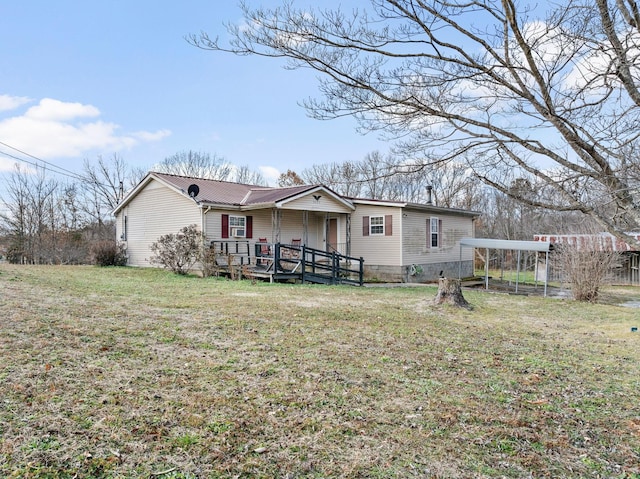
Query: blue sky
{"points": [[87, 78]]}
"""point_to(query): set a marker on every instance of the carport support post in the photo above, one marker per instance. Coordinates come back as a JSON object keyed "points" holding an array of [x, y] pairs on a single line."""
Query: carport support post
{"points": [[518, 270], [486, 269], [546, 274]]}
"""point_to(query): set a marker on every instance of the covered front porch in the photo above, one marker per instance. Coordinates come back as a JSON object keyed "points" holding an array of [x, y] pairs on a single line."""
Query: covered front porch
{"points": [[326, 231], [275, 229]]}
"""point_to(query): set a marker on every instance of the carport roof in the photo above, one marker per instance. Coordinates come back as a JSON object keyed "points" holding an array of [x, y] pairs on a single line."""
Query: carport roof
{"points": [[505, 244]]}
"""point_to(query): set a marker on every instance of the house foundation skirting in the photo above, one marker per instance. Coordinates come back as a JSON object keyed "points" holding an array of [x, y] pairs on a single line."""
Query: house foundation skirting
{"points": [[417, 273]]}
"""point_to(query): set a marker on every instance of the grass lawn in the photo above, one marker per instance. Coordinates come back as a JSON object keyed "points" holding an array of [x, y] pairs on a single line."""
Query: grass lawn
{"points": [[120, 372]]}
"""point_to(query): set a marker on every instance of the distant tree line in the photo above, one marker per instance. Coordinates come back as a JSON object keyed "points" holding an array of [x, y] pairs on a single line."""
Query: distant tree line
{"points": [[49, 221], [52, 221], [453, 185]]}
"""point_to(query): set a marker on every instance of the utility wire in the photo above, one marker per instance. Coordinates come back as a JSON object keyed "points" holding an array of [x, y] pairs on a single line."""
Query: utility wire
{"points": [[9, 155], [52, 167]]}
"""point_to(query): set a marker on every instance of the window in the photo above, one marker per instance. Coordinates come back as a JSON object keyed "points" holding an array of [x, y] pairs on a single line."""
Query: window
{"points": [[376, 225], [435, 232], [237, 226], [123, 236]]}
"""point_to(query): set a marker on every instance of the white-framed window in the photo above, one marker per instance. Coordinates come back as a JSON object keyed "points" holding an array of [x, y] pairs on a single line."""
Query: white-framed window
{"points": [[435, 232], [376, 225], [237, 226], [125, 227]]}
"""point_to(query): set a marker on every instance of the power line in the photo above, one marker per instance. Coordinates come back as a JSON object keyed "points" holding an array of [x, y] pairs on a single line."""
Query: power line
{"points": [[52, 167]]}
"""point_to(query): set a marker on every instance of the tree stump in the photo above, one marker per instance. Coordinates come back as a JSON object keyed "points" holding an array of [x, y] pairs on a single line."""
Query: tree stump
{"points": [[450, 292]]}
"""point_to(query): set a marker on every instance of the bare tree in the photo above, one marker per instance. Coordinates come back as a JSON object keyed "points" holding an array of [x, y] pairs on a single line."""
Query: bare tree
{"points": [[290, 178], [136, 175], [376, 171], [107, 178], [343, 178], [548, 92], [245, 175], [197, 165], [103, 189], [31, 218]]}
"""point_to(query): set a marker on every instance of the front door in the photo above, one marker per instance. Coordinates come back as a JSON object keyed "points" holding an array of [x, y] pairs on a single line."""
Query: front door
{"points": [[332, 234]]}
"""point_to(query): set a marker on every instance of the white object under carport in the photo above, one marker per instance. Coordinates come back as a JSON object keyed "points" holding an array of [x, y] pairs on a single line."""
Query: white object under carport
{"points": [[519, 246]]}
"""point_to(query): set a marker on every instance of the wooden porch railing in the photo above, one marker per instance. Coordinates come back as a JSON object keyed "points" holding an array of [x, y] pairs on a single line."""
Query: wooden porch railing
{"points": [[239, 250]]}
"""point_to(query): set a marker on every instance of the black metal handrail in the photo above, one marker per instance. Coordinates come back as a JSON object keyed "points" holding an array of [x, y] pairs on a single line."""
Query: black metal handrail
{"points": [[336, 267], [311, 264]]}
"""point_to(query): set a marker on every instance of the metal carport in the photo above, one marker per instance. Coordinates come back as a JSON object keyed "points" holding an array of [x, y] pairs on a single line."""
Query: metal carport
{"points": [[519, 246]]}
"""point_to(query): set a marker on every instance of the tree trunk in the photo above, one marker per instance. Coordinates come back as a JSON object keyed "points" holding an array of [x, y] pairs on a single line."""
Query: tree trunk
{"points": [[450, 292]]}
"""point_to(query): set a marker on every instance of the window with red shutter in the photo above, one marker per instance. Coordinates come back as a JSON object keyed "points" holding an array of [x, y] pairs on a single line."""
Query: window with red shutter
{"points": [[249, 224], [365, 226], [388, 225], [225, 226]]}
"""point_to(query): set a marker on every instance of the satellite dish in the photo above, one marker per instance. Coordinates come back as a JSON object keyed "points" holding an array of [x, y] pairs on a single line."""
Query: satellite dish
{"points": [[193, 190]]}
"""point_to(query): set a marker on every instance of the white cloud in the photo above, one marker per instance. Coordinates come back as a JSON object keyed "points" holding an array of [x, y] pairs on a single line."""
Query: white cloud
{"points": [[151, 136], [270, 174], [8, 102], [55, 110], [55, 129]]}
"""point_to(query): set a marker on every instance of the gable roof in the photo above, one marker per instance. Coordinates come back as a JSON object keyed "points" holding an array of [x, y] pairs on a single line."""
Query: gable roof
{"points": [[225, 193]]}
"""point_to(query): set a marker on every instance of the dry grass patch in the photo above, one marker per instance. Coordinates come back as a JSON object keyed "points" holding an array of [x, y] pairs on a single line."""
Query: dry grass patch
{"points": [[140, 373]]}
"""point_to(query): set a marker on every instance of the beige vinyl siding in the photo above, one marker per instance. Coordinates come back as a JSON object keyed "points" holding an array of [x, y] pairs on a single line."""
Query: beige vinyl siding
{"points": [[324, 204], [292, 227], [155, 211], [415, 238], [377, 249]]}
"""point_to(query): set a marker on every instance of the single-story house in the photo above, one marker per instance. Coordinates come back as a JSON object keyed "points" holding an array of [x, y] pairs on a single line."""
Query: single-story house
{"points": [[399, 241]]}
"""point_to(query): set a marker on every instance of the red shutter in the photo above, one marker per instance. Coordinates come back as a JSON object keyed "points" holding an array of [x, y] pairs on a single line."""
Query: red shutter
{"points": [[249, 229], [225, 226], [388, 225], [365, 226]]}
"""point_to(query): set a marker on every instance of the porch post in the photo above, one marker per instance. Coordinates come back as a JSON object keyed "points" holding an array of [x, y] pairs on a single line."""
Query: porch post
{"points": [[305, 227], [326, 231], [348, 234], [276, 216]]}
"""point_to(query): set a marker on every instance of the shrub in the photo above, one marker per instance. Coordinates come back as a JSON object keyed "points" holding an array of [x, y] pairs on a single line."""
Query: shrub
{"points": [[179, 252], [586, 268], [108, 253], [209, 262]]}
